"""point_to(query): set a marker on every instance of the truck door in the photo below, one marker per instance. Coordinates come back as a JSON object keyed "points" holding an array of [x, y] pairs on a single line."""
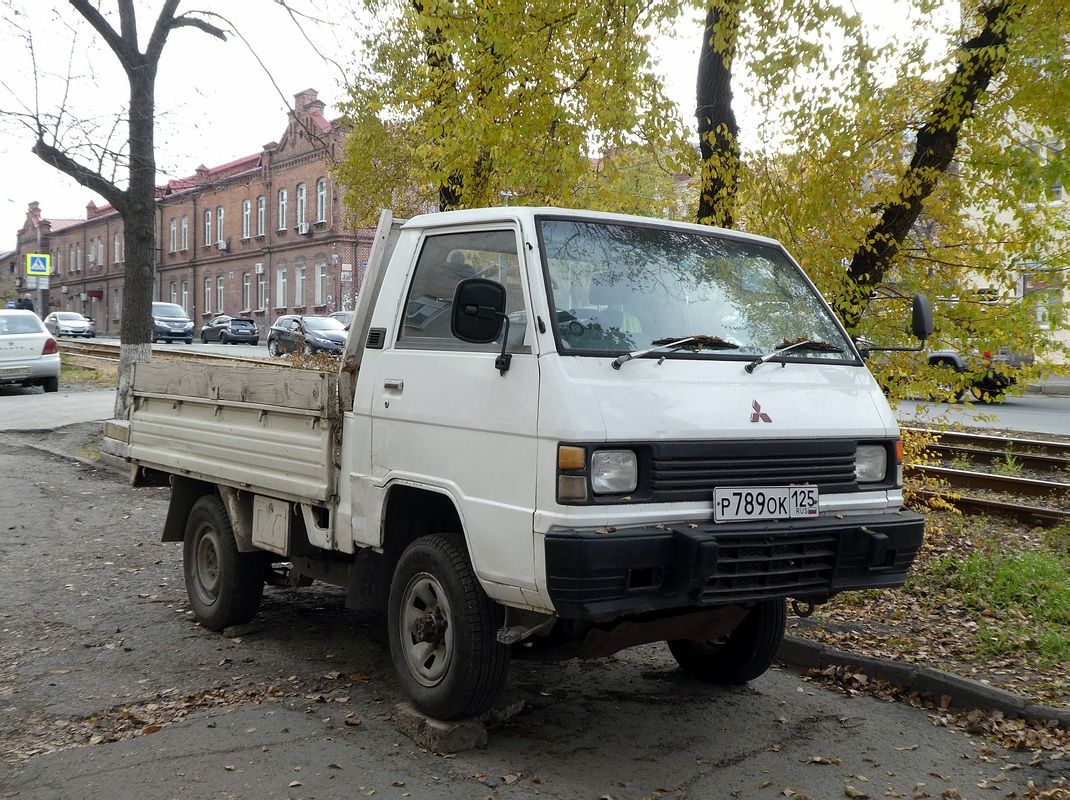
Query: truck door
{"points": [[446, 419]]}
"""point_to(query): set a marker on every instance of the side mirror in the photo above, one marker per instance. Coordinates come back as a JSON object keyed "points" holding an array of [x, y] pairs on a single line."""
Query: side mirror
{"points": [[478, 310], [921, 320], [478, 316]]}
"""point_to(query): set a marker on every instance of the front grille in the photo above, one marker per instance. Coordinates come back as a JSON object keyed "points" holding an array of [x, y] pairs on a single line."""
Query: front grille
{"points": [[688, 471], [755, 567]]}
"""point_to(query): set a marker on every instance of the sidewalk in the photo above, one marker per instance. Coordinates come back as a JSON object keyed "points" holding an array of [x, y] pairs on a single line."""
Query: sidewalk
{"points": [[1054, 384]]}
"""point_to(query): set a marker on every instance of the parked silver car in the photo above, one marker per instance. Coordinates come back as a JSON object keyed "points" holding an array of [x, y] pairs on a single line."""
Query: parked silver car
{"points": [[29, 355], [70, 323]]}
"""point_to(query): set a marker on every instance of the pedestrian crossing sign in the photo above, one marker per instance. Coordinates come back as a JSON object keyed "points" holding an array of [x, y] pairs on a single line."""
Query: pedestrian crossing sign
{"points": [[38, 264]]}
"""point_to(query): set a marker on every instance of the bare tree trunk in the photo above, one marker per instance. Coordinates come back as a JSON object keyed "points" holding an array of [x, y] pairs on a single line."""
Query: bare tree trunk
{"points": [[718, 130], [980, 60]]}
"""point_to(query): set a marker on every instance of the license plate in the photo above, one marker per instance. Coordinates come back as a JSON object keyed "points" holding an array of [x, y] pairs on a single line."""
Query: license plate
{"points": [[764, 502], [15, 372]]}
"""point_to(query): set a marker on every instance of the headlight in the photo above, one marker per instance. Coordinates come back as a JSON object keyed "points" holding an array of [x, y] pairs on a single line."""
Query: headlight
{"points": [[613, 471], [871, 463]]}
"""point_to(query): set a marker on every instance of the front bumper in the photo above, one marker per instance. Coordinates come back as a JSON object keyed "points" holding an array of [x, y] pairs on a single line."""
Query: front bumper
{"points": [[600, 576]]}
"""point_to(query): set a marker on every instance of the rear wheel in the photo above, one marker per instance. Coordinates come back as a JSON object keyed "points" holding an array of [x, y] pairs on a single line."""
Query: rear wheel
{"points": [[442, 630], [224, 585], [742, 655], [948, 389], [51, 383]]}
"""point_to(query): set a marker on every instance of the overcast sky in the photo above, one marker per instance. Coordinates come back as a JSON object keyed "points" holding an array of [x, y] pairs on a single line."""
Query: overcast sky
{"points": [[212, 108]]}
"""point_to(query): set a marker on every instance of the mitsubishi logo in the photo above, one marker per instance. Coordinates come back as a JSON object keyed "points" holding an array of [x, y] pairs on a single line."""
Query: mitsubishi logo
{"points": [[758, 413]]}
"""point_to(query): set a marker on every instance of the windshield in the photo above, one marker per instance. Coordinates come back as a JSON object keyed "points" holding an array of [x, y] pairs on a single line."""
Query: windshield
{"points": [[168, 310], [69, 316], [618, 288], [322, 324]]}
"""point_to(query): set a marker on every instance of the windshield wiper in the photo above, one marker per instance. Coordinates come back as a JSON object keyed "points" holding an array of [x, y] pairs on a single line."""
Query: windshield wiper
{"points": [[803, 344], [699, 341]]}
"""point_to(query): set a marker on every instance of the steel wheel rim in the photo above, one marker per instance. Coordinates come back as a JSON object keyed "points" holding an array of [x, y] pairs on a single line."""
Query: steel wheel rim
{"points": [[424, 598], [206, 567]]}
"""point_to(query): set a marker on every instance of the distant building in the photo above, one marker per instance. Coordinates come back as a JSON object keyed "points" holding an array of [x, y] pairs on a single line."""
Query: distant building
{"points": [[261, 236]]}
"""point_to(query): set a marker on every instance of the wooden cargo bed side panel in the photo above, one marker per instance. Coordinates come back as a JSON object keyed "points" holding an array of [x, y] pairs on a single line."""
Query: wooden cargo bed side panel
{"points": [[307, 390], [279, 453]]}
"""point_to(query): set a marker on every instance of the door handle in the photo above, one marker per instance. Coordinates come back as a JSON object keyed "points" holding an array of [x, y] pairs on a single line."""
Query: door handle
{"points": [[394, 383]]}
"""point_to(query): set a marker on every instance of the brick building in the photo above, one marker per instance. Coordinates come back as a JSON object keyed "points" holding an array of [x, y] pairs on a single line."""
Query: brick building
{"points": [[261, 236]]}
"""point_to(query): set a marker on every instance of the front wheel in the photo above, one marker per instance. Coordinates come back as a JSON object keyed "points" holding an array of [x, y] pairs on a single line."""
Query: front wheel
{"points": [[274, 349], [442, 630], [204, 338], [742, 655], [224, 585]]}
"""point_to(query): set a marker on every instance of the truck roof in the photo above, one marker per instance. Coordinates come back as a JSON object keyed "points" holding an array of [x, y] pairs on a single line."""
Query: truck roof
{"points": [[526, 214]]}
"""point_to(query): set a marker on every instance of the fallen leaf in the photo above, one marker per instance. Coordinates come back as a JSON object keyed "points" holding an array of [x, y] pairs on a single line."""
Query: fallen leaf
{"points": [[294, 784], [854, 793], [766, 785]]}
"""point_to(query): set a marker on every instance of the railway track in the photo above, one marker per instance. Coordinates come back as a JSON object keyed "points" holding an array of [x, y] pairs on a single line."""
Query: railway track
{"points": [[996, 492], [87, 351]]}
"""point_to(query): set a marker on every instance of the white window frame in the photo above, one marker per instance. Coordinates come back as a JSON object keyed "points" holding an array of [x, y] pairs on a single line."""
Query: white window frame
{"points": [[284, 200], [184, 237], [184, 295], [321, 200], [207, 294], [280, 288], [246, 218], [261, 215], [300, 289], [320, 290], [261, 291], [208, 240], [117, 247], [246, 291], [172, 236], [220, 295], [302, 205], [219, 223], [174, 292]]}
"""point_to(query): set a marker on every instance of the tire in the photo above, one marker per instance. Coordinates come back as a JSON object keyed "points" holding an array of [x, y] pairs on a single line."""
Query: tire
{"points": [[189, 340], [256, 341], [946, 391], [309, 350], [224, 586], [204, 338], [457, 668], [743, 655], [273, 348], [51, 383]]}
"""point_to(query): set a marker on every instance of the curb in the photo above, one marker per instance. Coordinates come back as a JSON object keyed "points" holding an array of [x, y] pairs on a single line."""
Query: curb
{"points": [[964, 692]]}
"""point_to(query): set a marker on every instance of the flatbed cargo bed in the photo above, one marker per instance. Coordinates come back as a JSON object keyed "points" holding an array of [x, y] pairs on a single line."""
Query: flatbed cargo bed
{"points": [[265, 428]]}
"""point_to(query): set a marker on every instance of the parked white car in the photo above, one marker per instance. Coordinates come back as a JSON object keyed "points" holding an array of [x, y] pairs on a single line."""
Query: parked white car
{"points": [[70, 323], [28, 353]]}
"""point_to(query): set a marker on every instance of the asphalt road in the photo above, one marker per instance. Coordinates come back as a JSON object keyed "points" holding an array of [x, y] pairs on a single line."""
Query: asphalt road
{"points": [[97, 642]]}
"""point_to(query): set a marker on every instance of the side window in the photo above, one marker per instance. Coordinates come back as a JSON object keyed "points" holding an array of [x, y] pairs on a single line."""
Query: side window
{"points": [[443, 263]]}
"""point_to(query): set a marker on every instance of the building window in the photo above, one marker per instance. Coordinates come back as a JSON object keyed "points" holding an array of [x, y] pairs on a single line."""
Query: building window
{"points": [[185, 232], [184, 297], [92, 252], [117, 248], [208, 242], [246, 285], [261, 215], [261, 291], [219, 223], [246, 218], [321, 283], [321, 200], [174, 292], [219, 295], [100, 251], [116, 302], [299, 286], [284, 197], [280, 287], [70, 258], [78, 255], [302, 205], [172, 237], [207, 294]]}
